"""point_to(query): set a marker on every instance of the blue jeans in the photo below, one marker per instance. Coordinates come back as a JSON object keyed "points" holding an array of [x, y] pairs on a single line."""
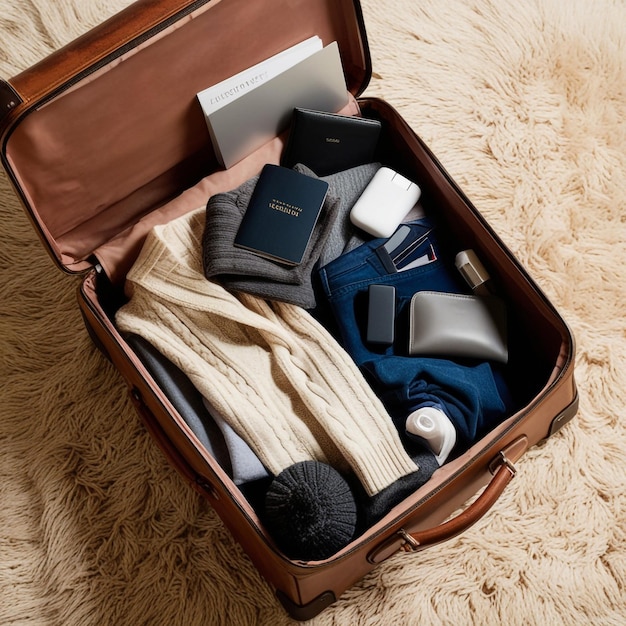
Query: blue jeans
{"points": [[472, 393]]}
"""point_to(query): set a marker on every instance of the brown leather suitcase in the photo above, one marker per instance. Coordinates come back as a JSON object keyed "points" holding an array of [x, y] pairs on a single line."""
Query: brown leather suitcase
{"points": [[102, 141]]}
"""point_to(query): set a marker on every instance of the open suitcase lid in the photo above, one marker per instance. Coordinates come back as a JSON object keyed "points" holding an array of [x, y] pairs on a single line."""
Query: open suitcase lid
{"points": [[109, 128]]}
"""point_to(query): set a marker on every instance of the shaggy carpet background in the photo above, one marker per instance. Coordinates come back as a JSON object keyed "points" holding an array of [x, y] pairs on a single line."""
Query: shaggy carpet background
{"points": [[524, 103]]}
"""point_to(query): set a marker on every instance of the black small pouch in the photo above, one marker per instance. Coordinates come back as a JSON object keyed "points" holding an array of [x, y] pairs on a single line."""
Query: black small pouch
{"points": [[328, 143]]}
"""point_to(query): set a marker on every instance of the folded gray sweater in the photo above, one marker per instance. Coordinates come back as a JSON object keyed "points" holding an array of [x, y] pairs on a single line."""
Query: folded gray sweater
{"points": [[241, 270]]}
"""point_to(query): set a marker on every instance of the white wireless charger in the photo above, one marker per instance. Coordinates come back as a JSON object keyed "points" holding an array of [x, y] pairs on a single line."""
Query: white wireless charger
{"points": [[384, 203], [435, 428]]}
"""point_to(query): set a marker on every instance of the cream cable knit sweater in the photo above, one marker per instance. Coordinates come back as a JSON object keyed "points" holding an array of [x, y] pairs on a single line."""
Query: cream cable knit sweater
{"points": [[271, 370]]}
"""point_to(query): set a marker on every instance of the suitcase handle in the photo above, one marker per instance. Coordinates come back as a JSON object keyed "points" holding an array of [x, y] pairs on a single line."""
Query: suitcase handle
{"points": [[422, 539]]}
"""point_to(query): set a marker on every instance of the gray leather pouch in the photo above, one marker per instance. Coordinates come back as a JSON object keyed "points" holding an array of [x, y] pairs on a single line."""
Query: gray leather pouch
{"points": [[456, 325]]}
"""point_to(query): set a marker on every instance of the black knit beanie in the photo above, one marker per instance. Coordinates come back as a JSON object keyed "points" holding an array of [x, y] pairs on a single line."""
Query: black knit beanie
{"points": [[310, 511]]}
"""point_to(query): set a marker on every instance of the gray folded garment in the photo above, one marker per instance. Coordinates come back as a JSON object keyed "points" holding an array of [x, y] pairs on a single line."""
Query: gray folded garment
{"points": [[241, 270], [245, 465]]}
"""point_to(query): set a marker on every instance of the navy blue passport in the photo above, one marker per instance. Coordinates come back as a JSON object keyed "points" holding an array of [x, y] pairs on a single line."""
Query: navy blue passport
{"points": [[282, 214]]}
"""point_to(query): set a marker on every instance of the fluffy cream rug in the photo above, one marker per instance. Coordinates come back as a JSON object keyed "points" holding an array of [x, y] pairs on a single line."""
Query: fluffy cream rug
{"points": [[524, 103]]}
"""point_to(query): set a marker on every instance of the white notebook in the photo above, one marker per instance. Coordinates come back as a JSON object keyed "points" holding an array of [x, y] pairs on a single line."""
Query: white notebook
{"points": [[217, 96], [240, 125]]}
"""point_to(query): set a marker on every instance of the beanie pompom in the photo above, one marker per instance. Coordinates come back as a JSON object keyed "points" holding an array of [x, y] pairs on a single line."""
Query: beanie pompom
{"points": [[310, 511]]}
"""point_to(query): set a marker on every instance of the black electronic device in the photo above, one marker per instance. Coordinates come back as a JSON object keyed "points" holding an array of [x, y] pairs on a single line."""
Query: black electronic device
{"points": [[381, 314]]}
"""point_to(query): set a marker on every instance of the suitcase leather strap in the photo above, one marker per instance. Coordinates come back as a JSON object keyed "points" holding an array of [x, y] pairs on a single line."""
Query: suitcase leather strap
{"points": [[503, 472]]}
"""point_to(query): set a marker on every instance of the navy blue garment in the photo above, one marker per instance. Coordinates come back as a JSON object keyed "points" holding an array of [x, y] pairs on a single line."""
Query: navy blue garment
{"points": [[474, 397], [473, 394]]}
